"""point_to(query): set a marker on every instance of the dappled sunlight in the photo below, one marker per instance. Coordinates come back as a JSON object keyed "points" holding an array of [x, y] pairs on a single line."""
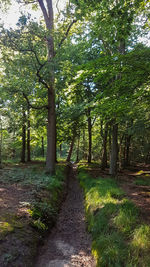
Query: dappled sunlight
{"points": [[141, 237], [113, 221], [2, 189]]}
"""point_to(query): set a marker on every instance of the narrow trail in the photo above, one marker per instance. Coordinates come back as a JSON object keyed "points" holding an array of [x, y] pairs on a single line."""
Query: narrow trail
{"points": [[68, 244]]}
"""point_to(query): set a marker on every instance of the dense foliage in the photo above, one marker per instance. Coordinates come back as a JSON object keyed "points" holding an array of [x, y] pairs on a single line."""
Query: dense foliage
{"points": [[99, 72]]}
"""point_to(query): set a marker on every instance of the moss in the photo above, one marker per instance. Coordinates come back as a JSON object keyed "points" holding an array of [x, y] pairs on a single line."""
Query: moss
{"points": [[8, 223]]}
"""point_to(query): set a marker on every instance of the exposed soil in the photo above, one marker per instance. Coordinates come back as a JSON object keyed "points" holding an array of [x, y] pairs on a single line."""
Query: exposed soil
{"points": [[68, 244], [139, 194]]}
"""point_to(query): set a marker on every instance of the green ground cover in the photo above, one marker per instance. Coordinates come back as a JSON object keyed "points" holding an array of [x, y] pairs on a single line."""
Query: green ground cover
{"points": [[119, 237], [33, 199], [144, 180]]}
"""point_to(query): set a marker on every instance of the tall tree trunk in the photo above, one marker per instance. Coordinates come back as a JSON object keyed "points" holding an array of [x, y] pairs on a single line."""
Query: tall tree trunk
{"points": [[110, 142], [71, 149], [84, 154], [28, 137], [51, 131], [78, 148], [127, 151], [114, 151], [104, 157], [121, 154], [60, 150], [1, 136], [42, 146], [23, 152], [51, 127], [90, 135], [114, 148]]}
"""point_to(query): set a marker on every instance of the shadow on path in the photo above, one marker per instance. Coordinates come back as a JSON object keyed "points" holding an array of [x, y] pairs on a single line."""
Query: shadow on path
{"points": [[68, 244]]}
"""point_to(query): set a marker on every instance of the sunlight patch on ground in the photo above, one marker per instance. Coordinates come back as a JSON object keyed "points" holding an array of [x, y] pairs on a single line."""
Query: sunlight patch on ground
{"points": [[2, 189], [65, 248]]}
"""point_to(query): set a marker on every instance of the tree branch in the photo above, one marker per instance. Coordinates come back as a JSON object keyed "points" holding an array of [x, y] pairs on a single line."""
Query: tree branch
{"points": [[32, 106], [67, 32], [45, 14], [40, 78]]}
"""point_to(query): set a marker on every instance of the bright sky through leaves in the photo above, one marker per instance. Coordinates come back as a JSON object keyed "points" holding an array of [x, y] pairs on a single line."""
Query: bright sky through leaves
{"points": [[10, 18]]}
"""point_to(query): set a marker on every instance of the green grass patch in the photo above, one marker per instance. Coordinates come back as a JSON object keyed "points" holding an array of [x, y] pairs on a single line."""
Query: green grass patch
{"points": [[145, 181], [119, 239], [43, 210]]}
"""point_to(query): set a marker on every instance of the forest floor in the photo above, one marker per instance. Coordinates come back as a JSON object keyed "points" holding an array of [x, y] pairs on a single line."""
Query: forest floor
{"points": [[135, 182], [29, 203], [68, 243]]}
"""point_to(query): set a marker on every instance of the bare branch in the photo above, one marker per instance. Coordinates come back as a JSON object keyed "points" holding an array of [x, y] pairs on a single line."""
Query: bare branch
{"points": [[67, 32], [45, 14], [58, 7]]}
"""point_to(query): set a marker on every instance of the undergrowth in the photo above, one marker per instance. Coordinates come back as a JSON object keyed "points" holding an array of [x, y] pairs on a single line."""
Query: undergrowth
{"points": [[119, 239], [42, 195], [144, 181]]}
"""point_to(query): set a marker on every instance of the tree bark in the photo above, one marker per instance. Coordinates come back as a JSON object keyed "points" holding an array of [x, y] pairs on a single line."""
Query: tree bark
{"points": [[71, 149], [42, 146], [51, 127], [78, 148], [127, 150], [23, 152], [114, 150], [51, 139], [90, 135], [1, 136], [104, 156], [28, 138], [84, 150], [121, 154], [60, 150]]}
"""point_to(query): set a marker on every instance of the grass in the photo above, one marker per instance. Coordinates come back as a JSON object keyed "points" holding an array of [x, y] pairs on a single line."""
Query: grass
{"points": [[119, 239], [144, 180]]}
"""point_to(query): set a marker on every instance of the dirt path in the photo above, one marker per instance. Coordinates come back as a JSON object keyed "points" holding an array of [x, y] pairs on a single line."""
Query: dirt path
{"points": [[68, 244]]}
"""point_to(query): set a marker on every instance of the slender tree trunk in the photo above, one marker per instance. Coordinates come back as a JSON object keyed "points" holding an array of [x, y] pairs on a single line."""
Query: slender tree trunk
{"points": [[28, 138], [84, 154], [127, 150], [42, 146], [110, 142], [60, 150], [78, 148], [114, 151], [71, 149], [104, 157], [90, 135], [23, 153], [51, 131], [1, 137], [114, 148], [121, 153]]}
